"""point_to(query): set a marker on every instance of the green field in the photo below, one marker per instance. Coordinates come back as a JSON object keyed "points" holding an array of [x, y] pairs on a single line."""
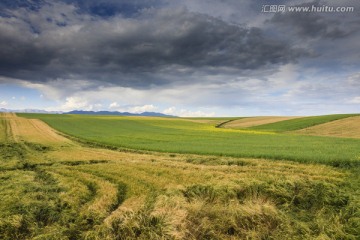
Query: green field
{"points": [[179, 136], [300, 123]]}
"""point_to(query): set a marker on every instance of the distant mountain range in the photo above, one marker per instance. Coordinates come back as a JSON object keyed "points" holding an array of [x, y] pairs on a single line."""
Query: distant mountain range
{"points": [[148, 114]]}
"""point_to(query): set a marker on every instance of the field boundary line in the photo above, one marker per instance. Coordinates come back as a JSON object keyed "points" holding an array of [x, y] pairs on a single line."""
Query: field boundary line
{"points": [[220, 125]]}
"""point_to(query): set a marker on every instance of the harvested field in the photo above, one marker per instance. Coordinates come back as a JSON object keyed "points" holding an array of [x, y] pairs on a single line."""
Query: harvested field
{"points": [[254, 121], [34, 130], [347, 127]]}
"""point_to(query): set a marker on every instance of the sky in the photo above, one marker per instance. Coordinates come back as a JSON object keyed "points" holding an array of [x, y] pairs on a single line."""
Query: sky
{"points": [[187, 57]]}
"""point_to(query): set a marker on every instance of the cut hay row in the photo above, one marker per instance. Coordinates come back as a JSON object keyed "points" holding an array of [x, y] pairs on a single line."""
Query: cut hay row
{"points": [[103, 193], [75, 192], [239, 196], [136, 184], [93, 198], [253, 180], [30, 205], [248, 185]]}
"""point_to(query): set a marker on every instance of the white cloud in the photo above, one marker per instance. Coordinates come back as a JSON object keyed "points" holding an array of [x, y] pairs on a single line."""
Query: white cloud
{"points": [[355, 100], [187, 113], [170, 111], [3, 104], [133, 109], [354, 80], [76, 103], [144, 108], [114, 105]]}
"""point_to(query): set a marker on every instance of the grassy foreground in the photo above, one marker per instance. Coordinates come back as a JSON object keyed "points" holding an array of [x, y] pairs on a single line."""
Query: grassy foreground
{"points": [[180, 136], [53, 188]]}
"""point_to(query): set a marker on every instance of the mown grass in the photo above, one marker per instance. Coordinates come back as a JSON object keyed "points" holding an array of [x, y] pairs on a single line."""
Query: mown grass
{"points": [[76, 203], [300, 123], [257, 201], [3, 129], [178, 136]]}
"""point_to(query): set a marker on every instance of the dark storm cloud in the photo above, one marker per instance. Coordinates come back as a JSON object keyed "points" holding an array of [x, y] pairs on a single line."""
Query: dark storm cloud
{"points": [[318, 25], [21, 52], [27, 4], [129, 51], [103, 8], [108, 8]]}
